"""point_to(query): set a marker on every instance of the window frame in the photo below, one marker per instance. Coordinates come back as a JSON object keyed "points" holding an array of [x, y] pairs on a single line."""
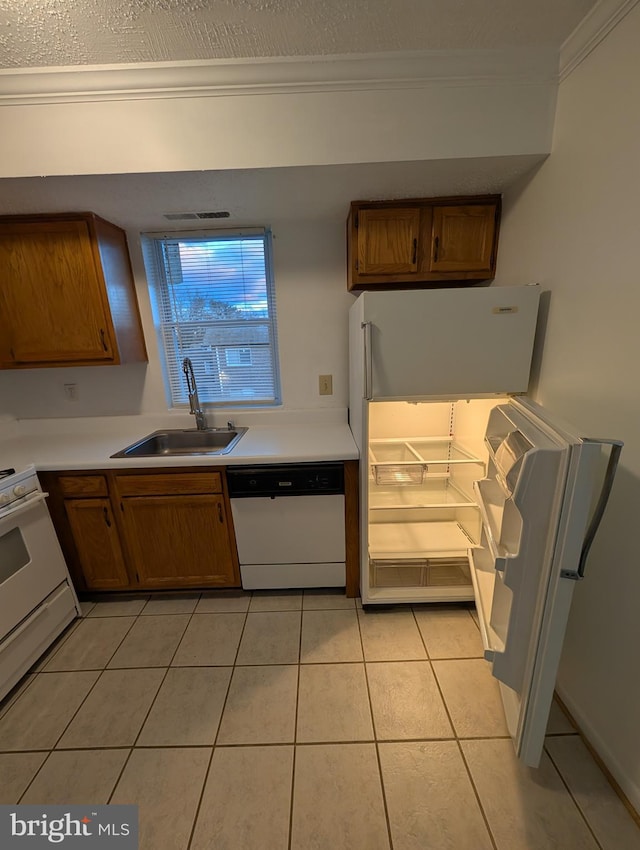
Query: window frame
{"points": [[160, 296]]}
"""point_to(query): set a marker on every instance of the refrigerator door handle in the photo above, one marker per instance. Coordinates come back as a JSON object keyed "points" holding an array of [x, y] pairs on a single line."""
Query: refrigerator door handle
{"points": [[368, 361], [607, 484]]}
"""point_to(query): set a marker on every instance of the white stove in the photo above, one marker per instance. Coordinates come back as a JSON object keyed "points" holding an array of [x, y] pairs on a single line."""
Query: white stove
{"points": [[37, 599], [16, 487]]}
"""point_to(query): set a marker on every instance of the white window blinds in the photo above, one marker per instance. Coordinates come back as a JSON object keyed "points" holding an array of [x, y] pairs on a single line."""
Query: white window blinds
{"points": [[213, 300]]}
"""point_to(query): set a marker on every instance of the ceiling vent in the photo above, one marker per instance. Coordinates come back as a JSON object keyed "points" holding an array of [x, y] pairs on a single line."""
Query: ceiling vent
{"points": [[194, 216]]}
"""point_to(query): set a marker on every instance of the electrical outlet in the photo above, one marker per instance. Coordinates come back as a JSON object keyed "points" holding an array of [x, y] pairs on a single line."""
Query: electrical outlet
{"points": [[325, 384], [71, 392]]}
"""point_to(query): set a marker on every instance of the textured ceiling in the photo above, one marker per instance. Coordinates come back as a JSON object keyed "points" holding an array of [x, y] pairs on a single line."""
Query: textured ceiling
{"points": [[39, 33]]}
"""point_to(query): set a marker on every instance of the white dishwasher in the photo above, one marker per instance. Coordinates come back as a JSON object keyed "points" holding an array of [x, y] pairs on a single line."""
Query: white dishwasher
{"points": [[289, 524]]}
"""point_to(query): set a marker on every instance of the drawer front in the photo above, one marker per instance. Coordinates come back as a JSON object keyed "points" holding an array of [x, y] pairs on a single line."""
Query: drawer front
{"points": [[83, 485], [168, 483], [22, 648]]}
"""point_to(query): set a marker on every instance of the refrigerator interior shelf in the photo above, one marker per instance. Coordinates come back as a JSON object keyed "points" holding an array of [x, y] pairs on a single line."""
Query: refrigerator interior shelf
{"points": [[401, 540], [433, 493], [409, 460]]}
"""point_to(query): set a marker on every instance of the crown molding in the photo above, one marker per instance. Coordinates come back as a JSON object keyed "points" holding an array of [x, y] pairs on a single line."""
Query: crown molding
{"points": [[604, 16], [275, 76]]}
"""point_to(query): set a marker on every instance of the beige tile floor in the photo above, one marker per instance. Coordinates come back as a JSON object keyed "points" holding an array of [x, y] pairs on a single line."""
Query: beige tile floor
{"points": [[295, 721]]}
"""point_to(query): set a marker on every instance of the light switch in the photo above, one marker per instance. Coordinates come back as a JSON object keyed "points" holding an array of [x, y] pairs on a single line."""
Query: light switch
{"points": [[326, 384]]}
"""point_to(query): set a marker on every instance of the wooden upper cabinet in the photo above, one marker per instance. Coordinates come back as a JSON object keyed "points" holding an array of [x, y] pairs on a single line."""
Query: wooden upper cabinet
{"points": [[463, 238], [388, 241], [67, 294], [422, 242]]}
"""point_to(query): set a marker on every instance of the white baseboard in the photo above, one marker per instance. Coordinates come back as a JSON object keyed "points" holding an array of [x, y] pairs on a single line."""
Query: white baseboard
{"points": [[628, 787]]}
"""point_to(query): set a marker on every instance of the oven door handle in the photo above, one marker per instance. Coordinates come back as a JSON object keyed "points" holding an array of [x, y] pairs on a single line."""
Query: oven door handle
{"points": [[23, 507]]}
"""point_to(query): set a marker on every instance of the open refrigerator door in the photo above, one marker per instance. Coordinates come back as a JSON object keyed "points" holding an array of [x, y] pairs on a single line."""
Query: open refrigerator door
{"points": [[536, 504]]}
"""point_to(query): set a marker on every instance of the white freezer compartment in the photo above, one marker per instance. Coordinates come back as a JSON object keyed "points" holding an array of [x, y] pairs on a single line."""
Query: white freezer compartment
{"points": [[451, 343]]}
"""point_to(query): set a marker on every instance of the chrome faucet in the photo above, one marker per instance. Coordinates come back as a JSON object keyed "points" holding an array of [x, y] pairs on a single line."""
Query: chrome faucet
{"points": [[192, 391]]}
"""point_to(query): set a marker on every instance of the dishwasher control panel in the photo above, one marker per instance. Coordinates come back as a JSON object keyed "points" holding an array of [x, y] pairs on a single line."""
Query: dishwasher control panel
{"points": [[289, 479]]}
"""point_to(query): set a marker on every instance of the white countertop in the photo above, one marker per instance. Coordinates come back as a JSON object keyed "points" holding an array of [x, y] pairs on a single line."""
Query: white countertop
{"points": [[89, 443]]}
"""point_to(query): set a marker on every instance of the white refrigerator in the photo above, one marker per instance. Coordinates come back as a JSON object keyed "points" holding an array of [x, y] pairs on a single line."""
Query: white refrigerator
{"points": [[468, 489]]}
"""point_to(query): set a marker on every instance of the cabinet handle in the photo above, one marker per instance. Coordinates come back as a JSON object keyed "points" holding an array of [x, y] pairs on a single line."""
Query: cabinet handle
{"points": [[103, 340], [107, 518], [436, 246], [415, 252], [220, 517]]}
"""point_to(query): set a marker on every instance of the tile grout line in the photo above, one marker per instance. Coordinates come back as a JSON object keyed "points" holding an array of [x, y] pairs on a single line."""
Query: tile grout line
{"points": [[166, 673], [375, 740], [477, 793], [153, 701], [371, 740], [131, 747], [215, 740], [456, 738], [264, 664], [86, 697], [295, 729], [102, 670], [17, 696], [576, 803], [66, 634], [127, 760]]}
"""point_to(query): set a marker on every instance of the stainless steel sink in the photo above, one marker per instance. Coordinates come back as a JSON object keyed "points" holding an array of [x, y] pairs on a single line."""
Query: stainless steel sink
{"points": [[213, 441]]}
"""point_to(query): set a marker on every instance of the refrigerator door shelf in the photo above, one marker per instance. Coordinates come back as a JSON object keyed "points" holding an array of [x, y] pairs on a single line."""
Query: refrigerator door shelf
{"points": [[491, 529], [483, 582]]}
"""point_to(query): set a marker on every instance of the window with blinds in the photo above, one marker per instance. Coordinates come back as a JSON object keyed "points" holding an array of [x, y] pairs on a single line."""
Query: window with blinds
{"points": [[213, 301]]}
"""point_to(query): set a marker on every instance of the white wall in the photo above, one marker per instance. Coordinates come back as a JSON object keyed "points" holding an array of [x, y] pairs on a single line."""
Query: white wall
{"points": [[312, 306], [574, 228], [306, 209], [486, 106]]}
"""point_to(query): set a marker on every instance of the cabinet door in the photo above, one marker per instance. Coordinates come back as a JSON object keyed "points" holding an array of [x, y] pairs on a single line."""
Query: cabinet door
{"points": [[463, 238], [179, 541], [388, 240], [52, 300], [97, 543]]}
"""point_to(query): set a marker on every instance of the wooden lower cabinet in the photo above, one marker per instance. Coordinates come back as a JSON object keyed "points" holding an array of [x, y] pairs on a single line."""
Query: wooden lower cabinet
{"points": [[140, 530], [178, 541], [97, 542]]}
